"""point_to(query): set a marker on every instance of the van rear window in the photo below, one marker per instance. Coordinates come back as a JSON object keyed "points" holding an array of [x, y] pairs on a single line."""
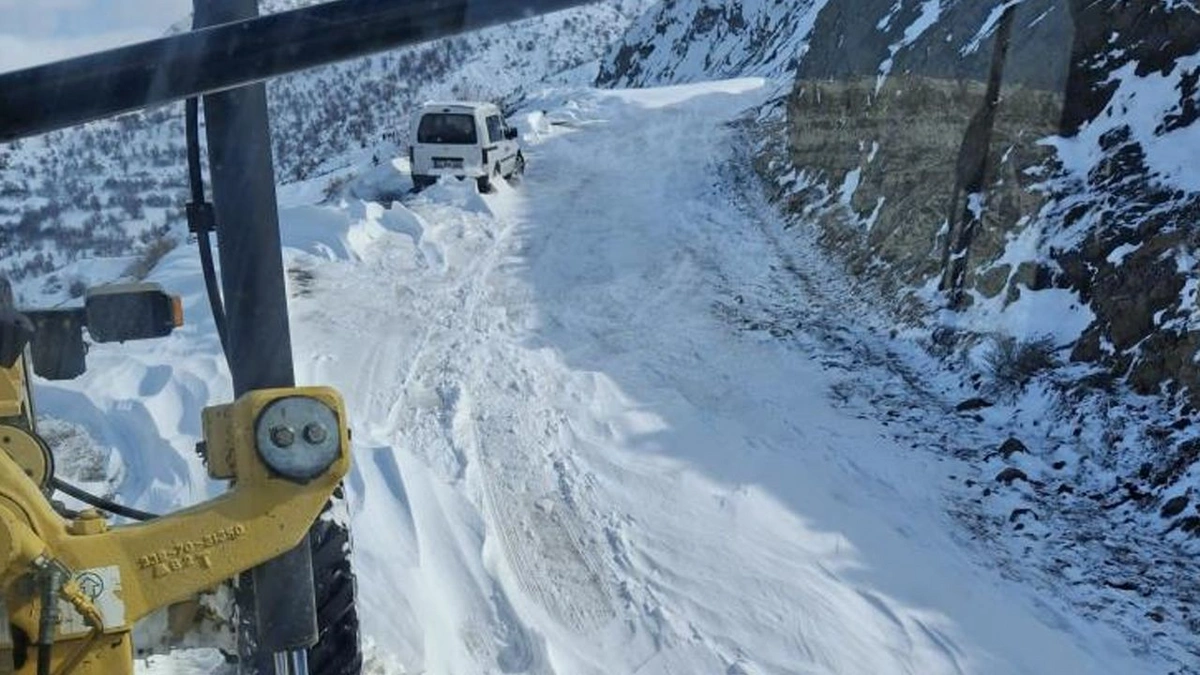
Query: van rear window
{"points": [[452, 128]]}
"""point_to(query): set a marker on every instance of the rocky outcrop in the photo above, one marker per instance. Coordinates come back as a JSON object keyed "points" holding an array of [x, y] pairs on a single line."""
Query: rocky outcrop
{"points": [[883, 161], [1132, 100], [880, 129], [1138, 273], [1151, 34], [1107, 219]]}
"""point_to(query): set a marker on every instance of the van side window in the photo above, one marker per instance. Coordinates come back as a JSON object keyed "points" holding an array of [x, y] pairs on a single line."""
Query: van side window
{"points": [[495, 128]]}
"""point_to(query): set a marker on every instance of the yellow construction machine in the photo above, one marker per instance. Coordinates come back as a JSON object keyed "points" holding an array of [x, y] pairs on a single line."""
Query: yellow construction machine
{"points": [[73, 584]]}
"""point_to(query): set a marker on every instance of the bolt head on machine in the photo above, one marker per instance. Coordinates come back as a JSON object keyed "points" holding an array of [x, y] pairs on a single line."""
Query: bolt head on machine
{"points": [[297, 456]]}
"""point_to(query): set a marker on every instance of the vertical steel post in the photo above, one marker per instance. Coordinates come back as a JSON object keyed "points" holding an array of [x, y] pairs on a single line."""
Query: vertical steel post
{"points": [[260, 351]]}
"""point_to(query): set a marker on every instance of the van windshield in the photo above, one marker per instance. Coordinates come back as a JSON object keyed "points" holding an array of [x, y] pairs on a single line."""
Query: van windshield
{"points": [[458, 129]]}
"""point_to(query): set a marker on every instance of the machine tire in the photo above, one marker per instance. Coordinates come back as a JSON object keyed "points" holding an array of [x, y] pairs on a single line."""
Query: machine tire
{"points": [[338, 650]]}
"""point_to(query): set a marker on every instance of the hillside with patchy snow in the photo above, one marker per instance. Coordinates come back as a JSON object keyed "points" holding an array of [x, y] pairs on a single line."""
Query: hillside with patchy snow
{"points": [[119, 186], [695, 40]]}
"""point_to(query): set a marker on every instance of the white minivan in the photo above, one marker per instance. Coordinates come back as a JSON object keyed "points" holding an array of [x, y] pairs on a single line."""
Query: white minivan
{"points": [[463, 139]]}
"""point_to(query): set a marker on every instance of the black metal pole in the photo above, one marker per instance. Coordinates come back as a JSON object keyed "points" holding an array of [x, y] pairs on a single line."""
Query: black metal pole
{"points": [[239, 52], [259, 341]]}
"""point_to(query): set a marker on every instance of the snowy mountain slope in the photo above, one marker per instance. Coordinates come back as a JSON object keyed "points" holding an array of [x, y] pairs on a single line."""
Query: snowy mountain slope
{"points": [[119, 185], [568, 459], [1090, 227], [695, 40]]}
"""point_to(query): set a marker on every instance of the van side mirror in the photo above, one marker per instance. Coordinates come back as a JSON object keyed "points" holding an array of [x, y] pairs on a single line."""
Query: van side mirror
{"points": [[510, 133]]}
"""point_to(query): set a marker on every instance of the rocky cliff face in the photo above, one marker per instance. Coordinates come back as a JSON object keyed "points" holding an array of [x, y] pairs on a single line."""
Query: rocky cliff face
{"points": [[1109, 217], [881, 158], [1129, 203], [1150, 35]]}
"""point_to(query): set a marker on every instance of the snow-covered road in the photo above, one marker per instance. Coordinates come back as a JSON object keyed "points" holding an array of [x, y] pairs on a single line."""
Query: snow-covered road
{"points": [[572, 465], [569, 463]]}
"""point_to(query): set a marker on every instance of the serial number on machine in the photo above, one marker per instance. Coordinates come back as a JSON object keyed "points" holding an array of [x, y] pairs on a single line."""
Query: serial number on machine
{"points": [[191, 553]]}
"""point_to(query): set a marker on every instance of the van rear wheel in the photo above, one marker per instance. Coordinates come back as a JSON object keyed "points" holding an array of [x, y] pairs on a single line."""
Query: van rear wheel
{"points": [[485, 182]]}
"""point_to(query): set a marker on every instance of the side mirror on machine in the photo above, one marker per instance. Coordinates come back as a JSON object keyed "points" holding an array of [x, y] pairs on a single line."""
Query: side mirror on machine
{"points": [[16, 331], [112, 313], [57, 348], [120, 312], [510, 133]]}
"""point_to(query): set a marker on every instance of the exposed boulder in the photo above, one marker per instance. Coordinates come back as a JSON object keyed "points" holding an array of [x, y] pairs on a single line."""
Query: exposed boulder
{"points": [[1174, 506], [1010, 474]]}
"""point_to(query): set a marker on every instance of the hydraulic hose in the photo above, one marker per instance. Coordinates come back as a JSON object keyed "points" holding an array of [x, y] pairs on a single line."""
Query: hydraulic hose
{"points": [[200, 221], [52, 579], [72, 593], [100, 502]]}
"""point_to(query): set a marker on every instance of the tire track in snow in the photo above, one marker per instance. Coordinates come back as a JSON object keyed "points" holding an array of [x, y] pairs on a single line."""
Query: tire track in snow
{"points": [[385, 378], [423, 387], [535, 516], [541, 533]]}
